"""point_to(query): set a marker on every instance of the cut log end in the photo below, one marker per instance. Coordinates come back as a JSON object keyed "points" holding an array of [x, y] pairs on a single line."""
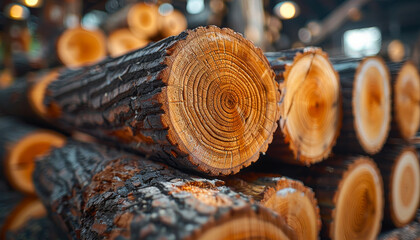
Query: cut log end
{"points": [[372, 104], [298, 205], [172, 23], [245, 224], [221, 99], [123, 41], [404, 193], [6, 78], [359, 202], [143, 20], [38, 90], [27, 209], [79, 47], [407, 100], [311, 113], [20, 161]]}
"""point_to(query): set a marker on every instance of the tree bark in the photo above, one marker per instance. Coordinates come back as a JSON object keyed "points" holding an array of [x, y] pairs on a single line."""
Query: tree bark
{"points": [[310, 116], [400, 169], [94, 193], [289, 198], [366, 105], [204, 100], [20, 145], [405, 82]]}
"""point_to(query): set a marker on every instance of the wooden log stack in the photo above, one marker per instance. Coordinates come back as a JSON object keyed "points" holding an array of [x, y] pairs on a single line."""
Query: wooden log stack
{"points": [[208, 102]]}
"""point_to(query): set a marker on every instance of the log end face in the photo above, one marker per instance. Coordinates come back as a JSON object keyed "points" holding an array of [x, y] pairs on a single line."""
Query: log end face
{"points": [[407, 100], [311, 112], [221, 100], [123, 41], [358, 202], [404, 186], [38, 91], [372, 103], [20, 162]]}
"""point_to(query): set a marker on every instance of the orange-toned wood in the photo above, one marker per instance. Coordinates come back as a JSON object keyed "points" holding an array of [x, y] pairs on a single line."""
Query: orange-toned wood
{"points": [[406, 100], [204, 100], [6, 78], [366, 104], [310, 106], [122, 41], [292, 200], [79, 47], [172, 23], [399, 165], [20, 145]]}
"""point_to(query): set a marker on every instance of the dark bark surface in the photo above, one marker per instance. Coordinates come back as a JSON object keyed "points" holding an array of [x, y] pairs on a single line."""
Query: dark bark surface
{"points": [[94, 193]]}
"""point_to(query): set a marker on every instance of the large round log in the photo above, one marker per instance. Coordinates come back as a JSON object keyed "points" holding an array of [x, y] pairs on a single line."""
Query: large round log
{"points": [[366, 104], [79, 47], [94, 193], [122, 41], [406, 100], [204, 100], [310, 106], [400, 170], [289, 198], [20, 145]]}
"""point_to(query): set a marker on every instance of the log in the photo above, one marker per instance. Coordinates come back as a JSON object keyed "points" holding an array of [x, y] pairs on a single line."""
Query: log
{"points": [[400, 170], [25, 96], [172, 23], [141, 18], [78, 47], [95, 193], [122, 41], [204, 100], [366, 105], [6, 78], [24, 222], [405, 82], [20, 145], [289, 198], [310, 117]]}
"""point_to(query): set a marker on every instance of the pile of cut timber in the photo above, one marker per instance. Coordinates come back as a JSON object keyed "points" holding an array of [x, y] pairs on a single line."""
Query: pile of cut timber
{"points": [[161, 122]]}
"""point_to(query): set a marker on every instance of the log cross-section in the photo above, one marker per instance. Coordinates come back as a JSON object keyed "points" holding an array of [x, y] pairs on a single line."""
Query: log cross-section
{"points": [[96, 193], [204, 100], [310, 118]]}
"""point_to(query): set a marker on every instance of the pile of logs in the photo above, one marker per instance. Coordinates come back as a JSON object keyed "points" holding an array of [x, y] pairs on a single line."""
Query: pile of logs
{"points": [[170, 126]]}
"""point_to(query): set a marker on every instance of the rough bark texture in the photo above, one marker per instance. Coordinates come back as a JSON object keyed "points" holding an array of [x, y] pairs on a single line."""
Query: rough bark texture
{"points": [[349, 140], [95, 193], [148, 101], [387, 161], [289, 198], [310, 115]]}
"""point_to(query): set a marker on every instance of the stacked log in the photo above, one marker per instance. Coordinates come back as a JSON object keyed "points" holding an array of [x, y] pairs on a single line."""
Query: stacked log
{"points": [[289, 198], [310, 106], [204, 100], [366, 104], [78, 47], [400, 170], [406, 100], [122, 41], [20, 145], [94, 193]]}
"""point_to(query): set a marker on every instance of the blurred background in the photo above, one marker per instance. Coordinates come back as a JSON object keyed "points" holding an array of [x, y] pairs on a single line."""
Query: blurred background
{"points": [[354, 28]]}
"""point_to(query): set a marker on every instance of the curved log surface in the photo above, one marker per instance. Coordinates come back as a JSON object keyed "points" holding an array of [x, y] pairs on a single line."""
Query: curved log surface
{"points": [[289, 198], [94, 193], [204, 100], [310, 118], [20, 145], [366, 104], [406, 100], [400, 170]]}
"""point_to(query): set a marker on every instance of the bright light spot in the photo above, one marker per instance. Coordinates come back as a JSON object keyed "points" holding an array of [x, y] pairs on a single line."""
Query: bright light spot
{"points": [[165, 9], [286, 10], [18, 12], [396, 51], [92, 19], [362, 42], [195, 6], [32, 3]]}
